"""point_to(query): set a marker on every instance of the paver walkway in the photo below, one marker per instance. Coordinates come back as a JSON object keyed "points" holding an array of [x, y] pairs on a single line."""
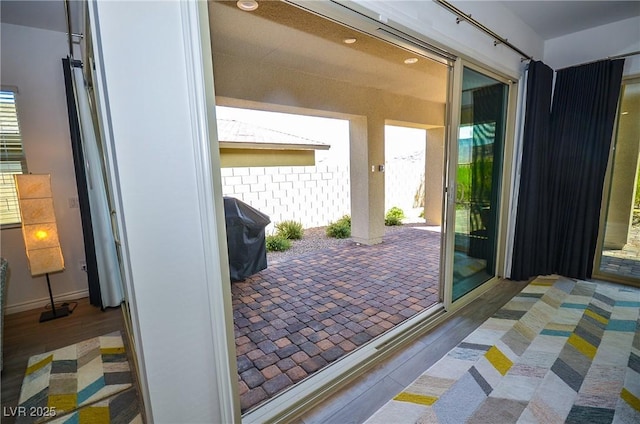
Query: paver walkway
{"points": [[299, 315], [624, 262]]}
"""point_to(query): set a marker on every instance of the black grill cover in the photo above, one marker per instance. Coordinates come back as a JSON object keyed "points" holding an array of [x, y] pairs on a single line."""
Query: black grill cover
{"points": [[245, 238]]}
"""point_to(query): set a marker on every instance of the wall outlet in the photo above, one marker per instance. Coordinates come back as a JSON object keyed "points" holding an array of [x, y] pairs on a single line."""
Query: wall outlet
{"points": [[83, 266]]}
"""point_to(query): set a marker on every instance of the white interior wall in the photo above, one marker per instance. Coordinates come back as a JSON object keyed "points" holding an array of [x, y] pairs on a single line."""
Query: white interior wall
{"points": [[31, 61], [595, 44]]}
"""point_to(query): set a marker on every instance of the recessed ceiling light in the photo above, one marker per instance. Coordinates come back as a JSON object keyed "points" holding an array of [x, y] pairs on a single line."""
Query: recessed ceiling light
{"points": [[247, 5], [349, 40], [411, 60]]}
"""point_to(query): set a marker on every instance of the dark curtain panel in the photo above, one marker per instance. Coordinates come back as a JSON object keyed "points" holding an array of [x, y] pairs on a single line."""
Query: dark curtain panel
{"points": [[532, 218], [584, 108], [564, 161], [488, 135]]}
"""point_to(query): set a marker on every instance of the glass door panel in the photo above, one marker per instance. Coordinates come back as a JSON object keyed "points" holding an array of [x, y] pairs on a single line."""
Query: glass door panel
{"points": [[478, 179], [308, 70], [620, 251]]}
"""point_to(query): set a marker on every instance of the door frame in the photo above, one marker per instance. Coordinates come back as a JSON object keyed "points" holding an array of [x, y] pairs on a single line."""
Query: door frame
{"points": [[450, 183], [604, 206]]}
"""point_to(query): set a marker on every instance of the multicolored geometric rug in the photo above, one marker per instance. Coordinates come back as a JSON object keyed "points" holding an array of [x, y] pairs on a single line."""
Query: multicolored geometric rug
{"points": [[88, 382], [560, 351]]}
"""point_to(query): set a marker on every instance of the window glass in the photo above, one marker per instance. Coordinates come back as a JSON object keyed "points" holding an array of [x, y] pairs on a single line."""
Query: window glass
{"points": [[12, 160], [478, 179]]}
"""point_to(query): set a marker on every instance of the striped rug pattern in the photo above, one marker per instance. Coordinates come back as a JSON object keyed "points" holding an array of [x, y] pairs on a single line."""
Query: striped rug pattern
{"points": [[560, 351], [88, 382]]}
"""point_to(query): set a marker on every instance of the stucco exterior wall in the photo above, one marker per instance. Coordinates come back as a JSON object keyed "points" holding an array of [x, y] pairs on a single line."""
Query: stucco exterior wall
{"points": [[312, 195]]}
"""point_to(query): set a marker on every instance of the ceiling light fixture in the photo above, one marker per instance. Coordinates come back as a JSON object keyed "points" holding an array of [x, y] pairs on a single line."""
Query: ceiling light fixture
{"points": [[247, 5], [411, 60], [349, 40]]}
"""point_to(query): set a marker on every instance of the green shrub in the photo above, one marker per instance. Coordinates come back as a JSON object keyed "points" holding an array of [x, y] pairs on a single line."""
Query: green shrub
{"points": [[341, 228], [394, 216], [421, 215], [276, 243], [290, 229]]}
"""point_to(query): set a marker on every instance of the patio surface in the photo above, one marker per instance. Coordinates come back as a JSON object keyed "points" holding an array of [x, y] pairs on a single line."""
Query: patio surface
{"points": [[300, 314], [624, 262]]}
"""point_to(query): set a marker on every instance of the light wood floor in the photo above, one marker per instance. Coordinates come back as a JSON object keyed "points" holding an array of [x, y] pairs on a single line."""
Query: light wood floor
{"points": [[24, 337], [361, 399]]}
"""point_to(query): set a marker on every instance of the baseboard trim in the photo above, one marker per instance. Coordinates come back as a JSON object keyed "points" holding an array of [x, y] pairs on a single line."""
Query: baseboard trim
{"points": [[40, 303]]}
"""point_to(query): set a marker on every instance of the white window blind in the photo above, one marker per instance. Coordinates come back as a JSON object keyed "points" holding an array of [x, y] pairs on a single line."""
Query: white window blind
{"points": [[12, 160]]}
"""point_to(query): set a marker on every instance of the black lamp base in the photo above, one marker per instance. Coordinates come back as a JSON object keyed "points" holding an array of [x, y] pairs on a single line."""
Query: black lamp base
{"points": [[59, 312]]}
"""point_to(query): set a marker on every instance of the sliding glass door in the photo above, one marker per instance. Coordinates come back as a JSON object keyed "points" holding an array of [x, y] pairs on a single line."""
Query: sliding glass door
{"points": [[343, 288], [478, 156]]}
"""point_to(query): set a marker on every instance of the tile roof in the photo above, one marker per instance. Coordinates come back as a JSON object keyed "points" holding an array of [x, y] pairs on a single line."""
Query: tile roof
{"points": [[232, 131]]}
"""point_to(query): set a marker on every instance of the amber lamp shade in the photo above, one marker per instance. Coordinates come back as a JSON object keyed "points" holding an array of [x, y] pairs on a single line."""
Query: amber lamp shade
{"points": [[39, 227]]}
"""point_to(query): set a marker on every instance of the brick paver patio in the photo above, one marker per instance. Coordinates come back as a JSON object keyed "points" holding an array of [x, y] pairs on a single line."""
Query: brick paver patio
{"points": [[301, 314]]}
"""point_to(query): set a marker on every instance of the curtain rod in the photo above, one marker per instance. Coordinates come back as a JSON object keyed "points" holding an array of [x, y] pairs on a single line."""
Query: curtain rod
{"points": [[623, 55], [67, 13], [618, 56], [461, 16]]}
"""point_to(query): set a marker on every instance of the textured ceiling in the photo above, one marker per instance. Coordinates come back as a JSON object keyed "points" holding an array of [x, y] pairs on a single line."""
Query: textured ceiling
{"points": [[288, 37]]}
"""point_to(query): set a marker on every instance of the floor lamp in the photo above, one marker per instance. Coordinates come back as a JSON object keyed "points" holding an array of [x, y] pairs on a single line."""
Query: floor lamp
{"points": [[40, 233]]}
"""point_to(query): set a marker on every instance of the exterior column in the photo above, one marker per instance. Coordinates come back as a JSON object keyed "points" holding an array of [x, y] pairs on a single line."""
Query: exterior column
{"points": [[367, 179], [434, 173]]}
